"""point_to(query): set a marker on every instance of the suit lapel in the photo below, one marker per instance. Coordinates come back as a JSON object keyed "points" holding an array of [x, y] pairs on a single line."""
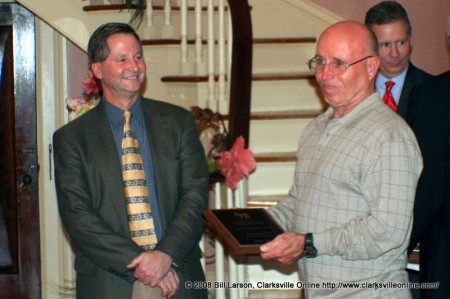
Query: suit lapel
{"points": [[157, 125], [413, 77], [406, 90], [104, 151]]}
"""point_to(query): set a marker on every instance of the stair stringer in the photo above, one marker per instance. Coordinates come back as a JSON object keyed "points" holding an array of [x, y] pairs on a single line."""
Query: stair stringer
{"points": [[65, 16], [289, 18]]}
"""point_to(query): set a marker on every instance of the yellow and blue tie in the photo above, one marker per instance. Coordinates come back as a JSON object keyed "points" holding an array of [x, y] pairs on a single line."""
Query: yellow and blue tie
{"points": [[139, 212]]}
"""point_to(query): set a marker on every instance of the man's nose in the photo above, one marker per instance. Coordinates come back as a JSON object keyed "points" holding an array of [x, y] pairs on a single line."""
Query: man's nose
{"points": [[133, 65], [393, 51]]}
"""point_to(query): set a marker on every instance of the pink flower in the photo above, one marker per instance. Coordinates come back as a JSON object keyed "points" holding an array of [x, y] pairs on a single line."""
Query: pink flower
{"points": [[236, 163], [90, 85]]}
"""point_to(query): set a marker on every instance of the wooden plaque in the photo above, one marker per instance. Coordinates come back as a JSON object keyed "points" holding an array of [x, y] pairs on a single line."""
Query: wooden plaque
{"points": [[243, 230]]}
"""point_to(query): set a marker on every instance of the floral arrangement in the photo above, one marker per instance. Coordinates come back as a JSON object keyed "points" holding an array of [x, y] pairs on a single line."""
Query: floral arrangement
{"points": [[91, 95], [234, 164]]}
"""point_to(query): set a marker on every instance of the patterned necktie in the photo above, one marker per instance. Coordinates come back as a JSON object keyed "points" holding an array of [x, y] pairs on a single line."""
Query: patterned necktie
{"points": [[136, 193], [388, 98]]}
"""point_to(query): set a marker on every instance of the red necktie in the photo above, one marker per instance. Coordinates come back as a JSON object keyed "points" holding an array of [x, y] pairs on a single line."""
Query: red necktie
{"points": [[388, 98]]}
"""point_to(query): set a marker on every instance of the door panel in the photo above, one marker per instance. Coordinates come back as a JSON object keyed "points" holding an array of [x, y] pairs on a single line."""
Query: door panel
{"points": [[19, 215]]}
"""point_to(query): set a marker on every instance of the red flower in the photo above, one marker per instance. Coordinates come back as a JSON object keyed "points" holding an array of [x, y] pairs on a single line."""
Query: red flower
{"points": [[236, 163], [90, 85]]}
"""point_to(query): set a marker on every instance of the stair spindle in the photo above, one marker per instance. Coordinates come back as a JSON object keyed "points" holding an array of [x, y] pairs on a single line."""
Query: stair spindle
{"points": [[223, 103], [212, 103], [185, 70], [167, 29], [150, 30], [200, 67]]}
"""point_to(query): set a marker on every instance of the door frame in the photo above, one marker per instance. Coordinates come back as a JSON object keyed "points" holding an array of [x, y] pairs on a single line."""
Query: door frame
{"points": [[28, 276], [58, 274]]}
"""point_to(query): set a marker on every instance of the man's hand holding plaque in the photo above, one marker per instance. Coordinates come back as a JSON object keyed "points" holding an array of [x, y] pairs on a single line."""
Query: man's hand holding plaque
{"points": [[243, 230], [285, 248]]}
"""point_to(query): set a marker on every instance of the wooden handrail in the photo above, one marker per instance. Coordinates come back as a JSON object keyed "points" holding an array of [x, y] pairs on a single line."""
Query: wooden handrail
{"points": [[241, 71]]}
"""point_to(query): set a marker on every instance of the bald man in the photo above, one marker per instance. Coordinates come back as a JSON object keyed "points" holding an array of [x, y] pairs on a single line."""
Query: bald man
{"points": [[348, 215]]}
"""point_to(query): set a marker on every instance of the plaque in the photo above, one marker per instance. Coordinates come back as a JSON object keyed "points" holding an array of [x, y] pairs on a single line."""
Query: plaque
{"points": [[243, 230]]}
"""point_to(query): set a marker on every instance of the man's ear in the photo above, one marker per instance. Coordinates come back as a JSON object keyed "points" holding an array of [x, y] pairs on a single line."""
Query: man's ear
{"points": [[373, 64], [96, 70]]}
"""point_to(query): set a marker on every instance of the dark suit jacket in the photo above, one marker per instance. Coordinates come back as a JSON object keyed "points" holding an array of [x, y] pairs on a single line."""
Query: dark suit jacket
{"points": [[91, 201], [413, 77], [429, 118]]}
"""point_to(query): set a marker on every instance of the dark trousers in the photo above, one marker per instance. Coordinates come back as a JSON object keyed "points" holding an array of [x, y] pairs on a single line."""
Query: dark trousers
{"points": [[414, 276]]}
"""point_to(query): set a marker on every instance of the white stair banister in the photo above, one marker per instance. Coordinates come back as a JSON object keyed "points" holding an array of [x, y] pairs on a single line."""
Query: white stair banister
{"points": [[220, 269], [241, 202], [184, 37], [232, 267], [212, 103], [150, 30], [199, 63], [167, 29], [223, 104]]}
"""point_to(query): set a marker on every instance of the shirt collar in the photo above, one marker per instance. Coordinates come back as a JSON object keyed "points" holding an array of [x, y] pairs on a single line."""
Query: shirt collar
{"points": [[398, 80], [115, 114], [352, 115]]}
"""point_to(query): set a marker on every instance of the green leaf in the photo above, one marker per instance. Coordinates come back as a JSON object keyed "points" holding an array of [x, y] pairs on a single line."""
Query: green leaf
{"points": [[213, 167], [139, 7]]}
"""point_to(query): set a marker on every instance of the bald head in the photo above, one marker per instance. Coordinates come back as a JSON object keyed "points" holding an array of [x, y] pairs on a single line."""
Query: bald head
{"points": [[356, 36], [346, 64]]}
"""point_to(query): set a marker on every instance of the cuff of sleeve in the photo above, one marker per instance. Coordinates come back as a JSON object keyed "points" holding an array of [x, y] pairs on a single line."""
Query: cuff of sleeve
{"points": [[278, 218], [175, 267], [175, 260], [320, 242]]}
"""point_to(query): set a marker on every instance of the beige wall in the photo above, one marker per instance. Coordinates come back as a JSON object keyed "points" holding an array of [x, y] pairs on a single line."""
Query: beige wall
{"points": [[77, 63], [429, 21]]}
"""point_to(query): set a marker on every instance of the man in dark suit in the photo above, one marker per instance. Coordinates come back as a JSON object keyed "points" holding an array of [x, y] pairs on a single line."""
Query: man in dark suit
{"points": [[90, 190], [428, 117], [389, 22]]}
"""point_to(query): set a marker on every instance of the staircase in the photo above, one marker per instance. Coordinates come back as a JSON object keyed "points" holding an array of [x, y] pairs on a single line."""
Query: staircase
{"points": [[284, 95]]}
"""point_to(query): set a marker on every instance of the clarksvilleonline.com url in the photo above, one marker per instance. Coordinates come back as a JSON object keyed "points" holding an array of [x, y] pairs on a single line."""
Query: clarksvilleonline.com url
{"points": [[309, 285], [369, 285]]}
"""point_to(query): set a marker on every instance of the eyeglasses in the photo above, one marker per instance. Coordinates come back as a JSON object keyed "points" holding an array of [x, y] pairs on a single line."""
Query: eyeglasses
{"points": [[318, 63]]}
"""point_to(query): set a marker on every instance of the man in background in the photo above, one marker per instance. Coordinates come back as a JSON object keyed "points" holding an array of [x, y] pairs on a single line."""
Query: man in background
{"points": [[429, 119], [348, 215], [389, 22]]}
